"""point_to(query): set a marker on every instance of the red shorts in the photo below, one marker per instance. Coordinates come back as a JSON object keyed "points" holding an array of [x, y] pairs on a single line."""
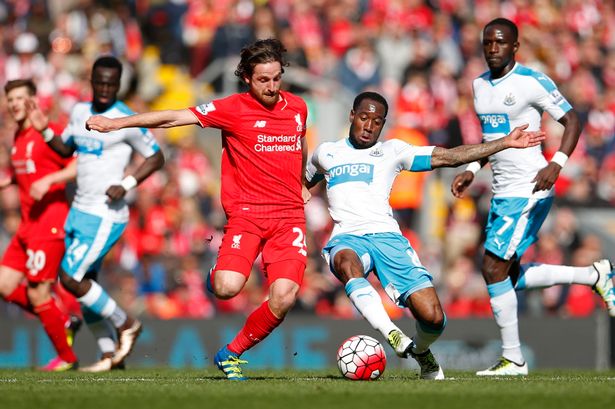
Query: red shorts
{"points": [[280, 241], [39, 259]]}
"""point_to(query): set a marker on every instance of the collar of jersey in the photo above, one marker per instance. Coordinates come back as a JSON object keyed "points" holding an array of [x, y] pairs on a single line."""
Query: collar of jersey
{"points": [[496, 81], [101, 113]]}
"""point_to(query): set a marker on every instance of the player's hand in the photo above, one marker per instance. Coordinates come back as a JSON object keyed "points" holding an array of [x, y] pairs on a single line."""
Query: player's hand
{"points": [[115, 192], [461, 183], [520, 138], [39, 188], [305, 194], [100, 123], [37, 118], [546, 177]]}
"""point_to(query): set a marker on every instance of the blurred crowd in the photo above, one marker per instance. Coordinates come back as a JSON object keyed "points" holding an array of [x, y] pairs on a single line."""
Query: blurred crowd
{"points": [[421, 54]]}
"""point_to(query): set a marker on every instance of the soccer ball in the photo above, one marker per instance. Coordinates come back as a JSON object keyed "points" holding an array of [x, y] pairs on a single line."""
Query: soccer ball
{"points": [[361, 357]]}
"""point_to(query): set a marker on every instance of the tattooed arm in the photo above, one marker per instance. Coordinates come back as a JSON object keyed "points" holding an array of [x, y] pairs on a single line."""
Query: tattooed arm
{"points": [[459, 155]]}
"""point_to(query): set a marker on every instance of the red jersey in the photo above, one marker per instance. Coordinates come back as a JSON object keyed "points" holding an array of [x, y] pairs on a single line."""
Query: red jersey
{"points": [[261, 154], [31, 159]]}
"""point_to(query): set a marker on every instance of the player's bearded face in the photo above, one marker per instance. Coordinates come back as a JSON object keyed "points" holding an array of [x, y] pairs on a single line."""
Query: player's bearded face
{"points": [[366, 123], [265, 83]]}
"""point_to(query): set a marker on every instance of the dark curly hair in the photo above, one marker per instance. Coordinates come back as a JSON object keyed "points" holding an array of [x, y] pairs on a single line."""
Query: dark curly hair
{"points": [[260, 52]]}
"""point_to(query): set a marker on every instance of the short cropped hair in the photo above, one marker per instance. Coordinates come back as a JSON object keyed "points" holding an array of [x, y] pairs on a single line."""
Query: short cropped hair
{"points": [[108, 61], [260, 52], [506, 23], [374, 96], [28, 83]]}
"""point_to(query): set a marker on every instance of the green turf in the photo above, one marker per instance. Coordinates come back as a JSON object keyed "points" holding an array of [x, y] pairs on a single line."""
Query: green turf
{"points": [[175, 389]]}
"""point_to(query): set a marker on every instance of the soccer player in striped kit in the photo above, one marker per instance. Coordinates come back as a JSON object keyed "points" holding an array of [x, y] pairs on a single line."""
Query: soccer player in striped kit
{"points": [[359, 172], [507, 95], [99, 213]]}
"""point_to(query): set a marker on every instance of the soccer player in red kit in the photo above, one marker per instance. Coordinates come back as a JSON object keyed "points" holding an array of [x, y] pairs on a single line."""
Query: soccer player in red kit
{"points": [[263, 163], [37, 248]]}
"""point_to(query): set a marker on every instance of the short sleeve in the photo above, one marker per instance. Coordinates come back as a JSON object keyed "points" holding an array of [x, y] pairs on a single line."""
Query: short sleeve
{"points": [[142, 141], [413, 158], [547, 96], [314, 171], [220, 113]]}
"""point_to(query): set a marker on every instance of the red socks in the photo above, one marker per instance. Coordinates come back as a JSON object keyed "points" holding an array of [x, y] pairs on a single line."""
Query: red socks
{"points": [[20, 297], [258, 325], [68, 303], [53, 321]]}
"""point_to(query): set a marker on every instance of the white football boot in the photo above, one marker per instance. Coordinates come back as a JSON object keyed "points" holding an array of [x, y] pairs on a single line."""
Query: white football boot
{"points": [[504, 367]]}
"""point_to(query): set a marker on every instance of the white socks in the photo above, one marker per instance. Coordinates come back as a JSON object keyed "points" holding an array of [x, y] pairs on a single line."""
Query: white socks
{"points": [[98, 301], [368, 302], [535, 275], [504, 306]]}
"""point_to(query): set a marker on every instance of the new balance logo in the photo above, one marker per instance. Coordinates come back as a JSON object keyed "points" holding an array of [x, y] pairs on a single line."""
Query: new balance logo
{"points": [[260, 124], [236, 242]]}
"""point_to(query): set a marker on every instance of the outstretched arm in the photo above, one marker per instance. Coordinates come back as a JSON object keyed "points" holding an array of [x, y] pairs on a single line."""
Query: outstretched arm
{"points": [[459, 155], [40, 122], [546, 177], [154, 119], [149, 166]]}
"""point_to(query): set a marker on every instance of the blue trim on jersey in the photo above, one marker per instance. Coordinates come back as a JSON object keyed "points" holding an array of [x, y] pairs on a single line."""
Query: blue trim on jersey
{"points": [[123, 108], [351, 172], [565, 106], [421, 163], [355, 284], [545, 81], [348, 143], [497, 289]]}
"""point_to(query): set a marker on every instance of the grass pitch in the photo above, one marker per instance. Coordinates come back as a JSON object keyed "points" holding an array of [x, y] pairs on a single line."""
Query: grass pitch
{"points": [[178, 389]]}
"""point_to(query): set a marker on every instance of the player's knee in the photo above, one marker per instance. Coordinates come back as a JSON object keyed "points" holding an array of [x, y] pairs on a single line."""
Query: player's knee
{"points": [[281, 302], [225, 288], [435, 318], [225, 291], [347, 268]]}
